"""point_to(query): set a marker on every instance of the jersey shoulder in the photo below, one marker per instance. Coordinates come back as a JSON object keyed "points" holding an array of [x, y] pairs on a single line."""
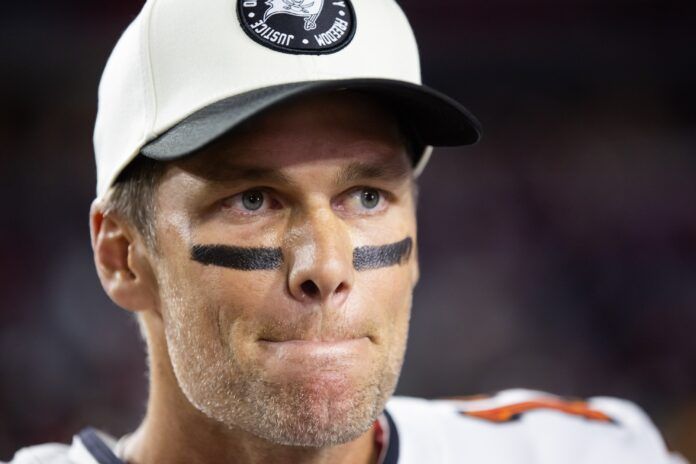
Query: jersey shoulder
{"points": [[57, 453], [48, 453], [525, 427]]}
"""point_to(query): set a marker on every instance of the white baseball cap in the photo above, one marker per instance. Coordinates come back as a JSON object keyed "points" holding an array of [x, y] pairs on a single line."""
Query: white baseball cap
{"points": [[186, 72]]}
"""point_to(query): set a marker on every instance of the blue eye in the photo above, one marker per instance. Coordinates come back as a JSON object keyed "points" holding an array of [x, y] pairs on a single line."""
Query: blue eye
{"points": [[252, 200], [370, 198]]}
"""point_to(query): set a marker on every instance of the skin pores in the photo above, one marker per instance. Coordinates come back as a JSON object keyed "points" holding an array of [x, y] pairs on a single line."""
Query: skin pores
{"points": [[305, 354]]}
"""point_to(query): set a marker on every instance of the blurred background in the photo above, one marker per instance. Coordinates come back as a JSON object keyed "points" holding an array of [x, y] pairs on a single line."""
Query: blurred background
{"points": [[558, 254]]}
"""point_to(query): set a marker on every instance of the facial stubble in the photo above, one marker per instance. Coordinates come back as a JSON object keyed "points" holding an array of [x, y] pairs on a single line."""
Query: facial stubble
{"points": [[218, 382]]}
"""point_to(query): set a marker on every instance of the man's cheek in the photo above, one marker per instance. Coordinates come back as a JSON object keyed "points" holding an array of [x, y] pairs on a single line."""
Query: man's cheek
{"points": [[387, 293], [238, 295]]}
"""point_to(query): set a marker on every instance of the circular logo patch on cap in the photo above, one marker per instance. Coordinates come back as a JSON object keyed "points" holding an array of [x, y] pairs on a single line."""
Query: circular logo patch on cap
{"points": [[299, 26]]}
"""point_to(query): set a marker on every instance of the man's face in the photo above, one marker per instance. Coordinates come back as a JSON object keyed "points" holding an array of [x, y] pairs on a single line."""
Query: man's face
{"points": [[306, 349]]}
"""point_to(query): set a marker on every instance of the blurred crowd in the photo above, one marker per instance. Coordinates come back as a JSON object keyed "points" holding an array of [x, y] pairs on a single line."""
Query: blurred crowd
{"points": [[558, 254]]}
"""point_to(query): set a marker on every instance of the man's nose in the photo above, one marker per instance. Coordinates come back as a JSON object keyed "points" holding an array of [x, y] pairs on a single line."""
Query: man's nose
{"points": [[320, 260]]}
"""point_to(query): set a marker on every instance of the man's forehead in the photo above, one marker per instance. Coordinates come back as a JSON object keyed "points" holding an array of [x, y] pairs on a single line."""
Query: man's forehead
{"points": [[347, 170], [346, 167], [348, 119], [349, 132]]}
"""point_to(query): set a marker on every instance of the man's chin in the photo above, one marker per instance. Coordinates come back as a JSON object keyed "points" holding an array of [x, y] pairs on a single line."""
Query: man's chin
{"points": [[317, 415]]}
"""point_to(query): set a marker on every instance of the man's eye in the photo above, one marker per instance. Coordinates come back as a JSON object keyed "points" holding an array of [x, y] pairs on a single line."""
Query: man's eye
{"points": [[364, 200], [370, 198], [252, 200]]}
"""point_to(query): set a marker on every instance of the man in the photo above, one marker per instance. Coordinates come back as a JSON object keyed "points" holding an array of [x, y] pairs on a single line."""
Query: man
{"points": [[256, 209]]}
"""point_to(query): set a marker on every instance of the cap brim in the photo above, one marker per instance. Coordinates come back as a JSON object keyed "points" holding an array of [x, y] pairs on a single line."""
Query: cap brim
{"points": [[434, 118]]}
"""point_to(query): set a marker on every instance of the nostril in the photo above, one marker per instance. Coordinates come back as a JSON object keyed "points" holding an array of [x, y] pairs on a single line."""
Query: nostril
{"points": [[341, 287], [310, 288]]}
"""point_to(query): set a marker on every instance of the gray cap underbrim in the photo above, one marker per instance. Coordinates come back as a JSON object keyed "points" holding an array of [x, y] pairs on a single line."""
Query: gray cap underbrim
{"points": [[434, 118]]}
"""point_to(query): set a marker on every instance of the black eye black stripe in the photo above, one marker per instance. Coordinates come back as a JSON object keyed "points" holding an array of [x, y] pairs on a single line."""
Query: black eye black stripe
{"points": [[267, 259], [375, 257], [241, 259]]}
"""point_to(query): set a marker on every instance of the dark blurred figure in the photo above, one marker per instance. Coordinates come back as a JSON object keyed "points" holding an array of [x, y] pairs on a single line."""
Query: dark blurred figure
{"points": [[567, 262]]}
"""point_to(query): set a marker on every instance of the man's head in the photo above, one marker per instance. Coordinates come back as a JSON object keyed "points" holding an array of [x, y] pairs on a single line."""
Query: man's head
{"points": [[308, 350], [256, 205]]}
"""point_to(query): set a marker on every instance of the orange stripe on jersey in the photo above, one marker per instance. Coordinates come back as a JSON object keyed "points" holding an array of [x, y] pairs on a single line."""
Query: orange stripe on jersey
{"points": [[513, 411]]}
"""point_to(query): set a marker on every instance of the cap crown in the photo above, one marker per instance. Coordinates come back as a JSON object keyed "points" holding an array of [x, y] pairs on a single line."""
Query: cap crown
{"points": [[179, 56]]}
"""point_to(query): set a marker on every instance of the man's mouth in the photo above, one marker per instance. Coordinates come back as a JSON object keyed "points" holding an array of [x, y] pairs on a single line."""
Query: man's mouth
{"points": [[318, 340], [312, 348], [317, 343]]}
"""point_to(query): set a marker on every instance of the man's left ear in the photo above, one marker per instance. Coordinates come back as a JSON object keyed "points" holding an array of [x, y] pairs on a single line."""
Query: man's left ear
{"points": [[123, 261]]}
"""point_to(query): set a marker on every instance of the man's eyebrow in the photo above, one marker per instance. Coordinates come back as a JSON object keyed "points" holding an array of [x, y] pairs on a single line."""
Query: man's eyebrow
{"points": [[358, 170]]}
